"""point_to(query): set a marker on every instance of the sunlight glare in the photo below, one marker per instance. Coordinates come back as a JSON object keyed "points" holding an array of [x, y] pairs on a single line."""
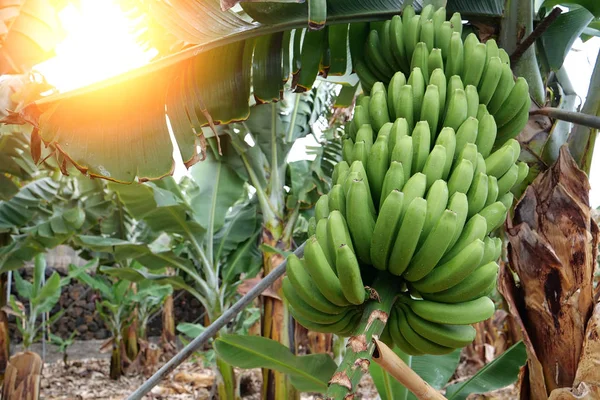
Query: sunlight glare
{"points": [[99, 43]]}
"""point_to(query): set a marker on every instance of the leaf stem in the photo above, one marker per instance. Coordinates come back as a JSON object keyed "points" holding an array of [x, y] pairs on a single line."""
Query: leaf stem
{"points": [[591, 121]]}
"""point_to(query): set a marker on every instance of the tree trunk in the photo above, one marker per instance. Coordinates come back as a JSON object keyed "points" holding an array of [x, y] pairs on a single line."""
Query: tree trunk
{"points": [[167, 337], [23, 376], [116, 368], [275, 322], [553, 244]]}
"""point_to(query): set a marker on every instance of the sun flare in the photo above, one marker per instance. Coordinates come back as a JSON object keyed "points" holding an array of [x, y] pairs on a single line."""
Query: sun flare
{"points": [[99, 43]]}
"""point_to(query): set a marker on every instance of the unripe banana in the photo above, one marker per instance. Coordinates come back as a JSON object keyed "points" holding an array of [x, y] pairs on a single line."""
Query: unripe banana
{"points": [[403, 104], [475, 229], [386, 229], [337, 199], [430, 111], [477, 194], [435, 61], [454, 82], [323, 239], [489, 251], [473, 69], [490, 80], [491, 49], [434, 166], [360, 220], [363, 101], [494, 214], [351, 176], [350, 329], [367, 78], [373, 55], [427, 35], [377, 87], [467, 133], [438, 18], [472, 100], [465, 313], [418, 341], [322, 273], [414, 187], [454, 336], [454, 61], [322, 208], [503, 89], [397, 42], [513, 127], [508, 180], [312, 226], [461, 177], [362, 175], [411, 37], [397, 337], [447, 138], [386, 337], [471, 40], [420, 59], [339, 170], [492, 195], [350, 130], [360, 152], [361, 116], [365, 134], [433, 248], [304, 309], [480, 167], [500, 161], [407, 13], [349, 275], [437, 199], [403, 153], [417, 81], [426, 13], [474, 286], [385, 130], [421, 144], [486, 135], [518, 96], [378, 110], [460, 205], [398, 80], [443, 37], [456, 21], [523, 173], [408, 235], [453, 271], [377, 167], [457, 110], [504, 56], [482, 111], [394, 180], [306, 288], [385, 40], [348, 150], [337, 231], [399, 129], [438, 79], [338, 327]]}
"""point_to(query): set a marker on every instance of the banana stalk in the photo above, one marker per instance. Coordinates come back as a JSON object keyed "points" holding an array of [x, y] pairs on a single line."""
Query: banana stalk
{"points": [[360, 346]]}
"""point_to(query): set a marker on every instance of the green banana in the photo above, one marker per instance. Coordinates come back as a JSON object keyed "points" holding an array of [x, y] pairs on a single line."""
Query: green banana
{"points": [[508, 180], [494, 214], [417, 81], [361, 117], [489, 250], [426, 13], [474, 286], [399, 129], [490, 80], [394, 180], [385, 130], [337, 327], [513, 127], [438, 79], [467, 133], [437, 199], [523, 173], [365, 134], [357, 166], [438, 18], [430, 111], [348, 150], [306, 288], [504, 56], [421, 145], [339, 170], [503, 89], [456, 21], [477, 194], [472, 100], [435, 61], [373, 55], [461, 177], [337, 199], [433, 248], [486, 135], [416, 340], [411, 36], [323, 238], [447, 138], [460, 205], [465, 313], [322, 273], [377, 87], [360, 152], [517, 97], [403, 104], [397, 81], [377, 166], [454, 82], [482, 111], [453, 271], [367, 78], [454, 336], [492, 195], [386, 229], [474, 229], [420, 59], [322, 208], [304, 309], [385, 39], [480, 167], [378, 110], [360, 220], [408, 235], [454, 61], [337, 231], [473, 69], [492, 50], [443, 37], [349, 275], [469, 44], [457, 110], [403, 153], [396, 334], [312, 226], [397, 42], [434, 166], [414, 187], [500, 161]]}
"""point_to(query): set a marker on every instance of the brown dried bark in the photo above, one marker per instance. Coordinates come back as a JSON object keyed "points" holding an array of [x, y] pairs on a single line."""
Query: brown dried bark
{"points": [[552, 251], [23, 376]]}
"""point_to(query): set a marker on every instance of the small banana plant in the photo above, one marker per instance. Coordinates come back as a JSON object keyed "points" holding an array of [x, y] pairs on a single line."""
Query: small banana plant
{"points": [[63, 345]]}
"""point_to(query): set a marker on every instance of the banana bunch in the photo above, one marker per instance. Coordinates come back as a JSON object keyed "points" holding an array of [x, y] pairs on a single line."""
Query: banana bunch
{"points": [[429, 166], [430, 43]]}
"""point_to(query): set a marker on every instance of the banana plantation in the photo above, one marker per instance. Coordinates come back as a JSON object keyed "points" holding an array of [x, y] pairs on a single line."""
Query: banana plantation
{"points": [[300, 199]]}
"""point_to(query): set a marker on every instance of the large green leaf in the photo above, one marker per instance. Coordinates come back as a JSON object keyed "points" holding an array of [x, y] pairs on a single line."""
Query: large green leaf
{"points": [[387, 386], [23, 207], [593, 6], [307, 373], [499, 373]]}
